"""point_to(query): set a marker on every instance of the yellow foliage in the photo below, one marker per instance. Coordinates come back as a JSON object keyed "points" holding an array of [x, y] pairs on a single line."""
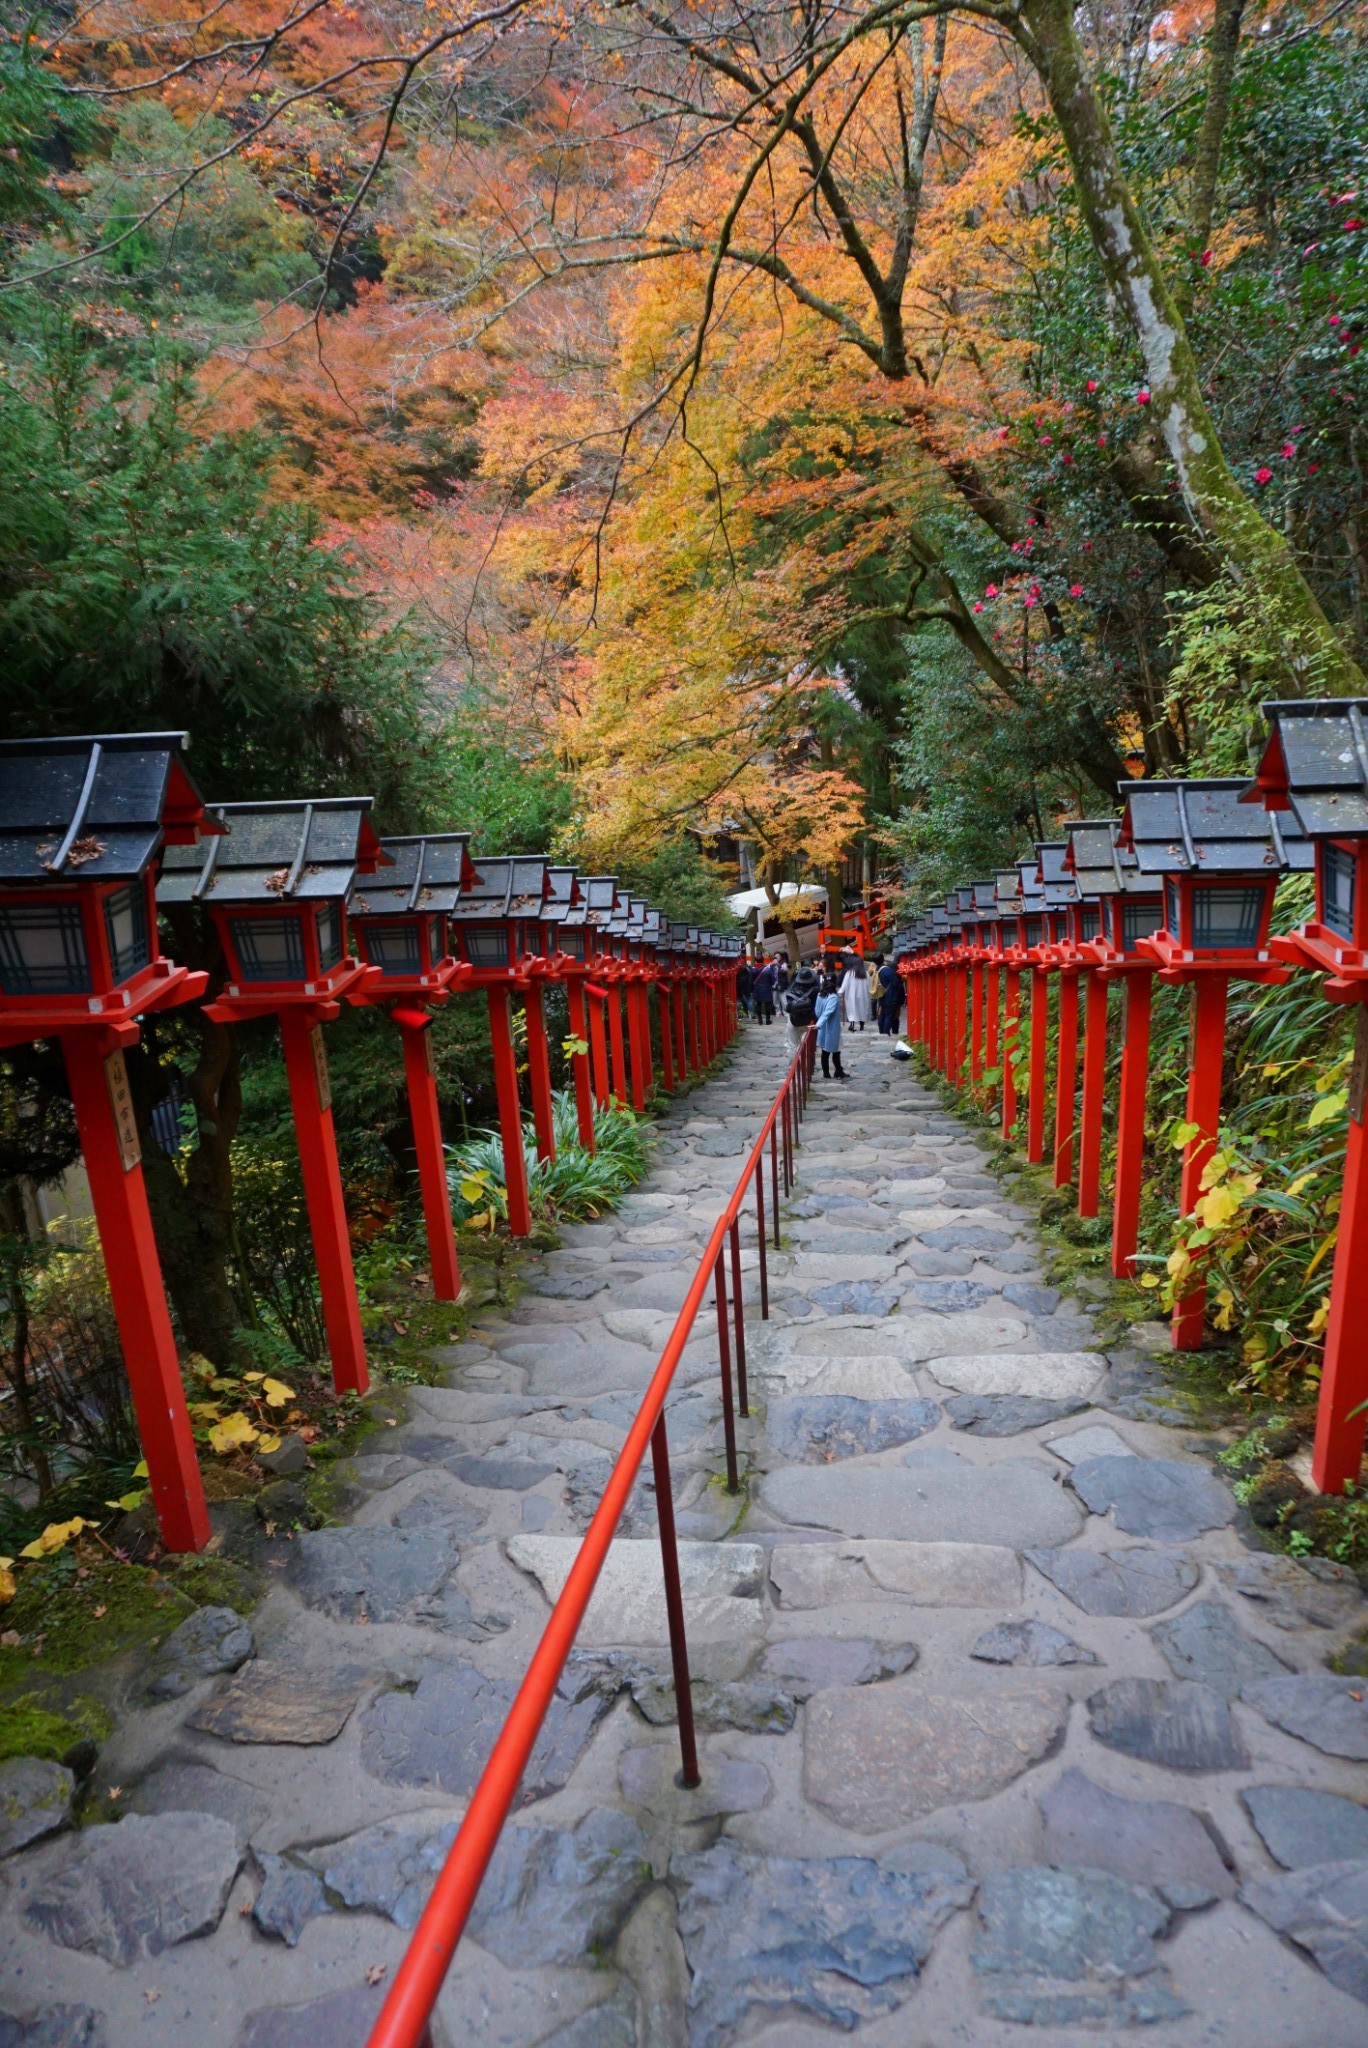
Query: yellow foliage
{"points": [[234, 1433], [55, 1537]]}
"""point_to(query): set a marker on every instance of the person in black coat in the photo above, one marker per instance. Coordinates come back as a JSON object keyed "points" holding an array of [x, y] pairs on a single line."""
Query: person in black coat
{"points": [[762, 992], [802, 1005], [743, 988]]}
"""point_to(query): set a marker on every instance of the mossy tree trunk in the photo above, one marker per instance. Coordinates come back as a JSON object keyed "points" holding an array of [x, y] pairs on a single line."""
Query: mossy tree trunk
{"points": [[1258, 557]]}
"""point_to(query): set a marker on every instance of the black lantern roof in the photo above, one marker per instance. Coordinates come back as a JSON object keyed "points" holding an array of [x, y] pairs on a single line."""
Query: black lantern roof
{"points": [[1030, 888], [600, 894], [1315, 766], [1202, 827], [486, 895], [940, 921], [529, 884], [1007, 893], [276, 853], [985, 898], [1058, 884], [95, 808], [428, 874]]}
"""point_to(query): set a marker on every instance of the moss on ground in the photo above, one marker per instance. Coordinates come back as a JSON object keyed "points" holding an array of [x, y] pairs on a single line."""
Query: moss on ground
{"points": [[28, 1729], [72, 1615]]}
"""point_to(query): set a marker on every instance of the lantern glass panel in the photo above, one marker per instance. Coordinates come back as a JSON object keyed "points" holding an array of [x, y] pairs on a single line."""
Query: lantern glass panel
{"points": [[43, 950], [436, 940], [572, 942], [329, 937], [394, 948], [1171, 910], [1092, 920], [1035, 929], [1138, 920], [1337, 888], [125, 913], [1227, 920], [269, 948], [487, 945]]}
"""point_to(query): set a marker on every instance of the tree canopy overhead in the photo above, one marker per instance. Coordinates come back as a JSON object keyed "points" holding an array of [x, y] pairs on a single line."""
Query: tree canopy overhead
{"points": [[808, 425]]}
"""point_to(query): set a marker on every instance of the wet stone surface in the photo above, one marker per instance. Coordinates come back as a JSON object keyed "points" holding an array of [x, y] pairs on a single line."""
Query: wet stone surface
{"points": [[1172, 1722], [1133, 1582], [1300, 1826], [839, 1940], [35, 1800], [1064, 1948], [1148, 1841], [132, 1890], [947, 1793]]}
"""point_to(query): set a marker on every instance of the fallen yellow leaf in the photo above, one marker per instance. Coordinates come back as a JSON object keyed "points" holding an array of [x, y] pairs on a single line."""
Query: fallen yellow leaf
{"points": [[234, 1433], [267, 1443], [54, 1537], [277, 1393], [8, 1588]]}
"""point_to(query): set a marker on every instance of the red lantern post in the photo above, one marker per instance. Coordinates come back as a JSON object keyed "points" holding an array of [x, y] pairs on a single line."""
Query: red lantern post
{"points": [[84, 823], [275, 885], [496, 924], [567, 912], [1009, 909], [1315, 767], [1131, 908], [1219, 865], [399, 916]]}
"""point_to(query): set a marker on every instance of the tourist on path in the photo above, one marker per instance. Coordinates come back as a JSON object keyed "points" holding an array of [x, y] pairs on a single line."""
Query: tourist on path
{"points": [[829, 1028], [762, 992], [890, 995], [802, 1005], [743, 988], [855, 992]]}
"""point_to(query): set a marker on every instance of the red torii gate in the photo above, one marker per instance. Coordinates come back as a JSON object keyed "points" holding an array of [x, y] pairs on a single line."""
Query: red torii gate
{"points": [[85, 821]]}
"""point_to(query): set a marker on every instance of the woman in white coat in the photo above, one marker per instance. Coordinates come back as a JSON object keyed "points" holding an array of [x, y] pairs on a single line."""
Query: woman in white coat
{"points": [[855, 992]]}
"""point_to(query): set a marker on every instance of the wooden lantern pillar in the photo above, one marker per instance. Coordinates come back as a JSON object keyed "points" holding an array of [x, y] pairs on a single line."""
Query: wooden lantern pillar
{"points": [[1219, 866], [496, 924], [567, 910], [1315, 768], [276, 887], [399, 918], [84, 824]]}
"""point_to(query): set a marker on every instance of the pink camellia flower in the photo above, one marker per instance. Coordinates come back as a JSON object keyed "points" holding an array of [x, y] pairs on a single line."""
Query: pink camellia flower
{"points": [[1030, 519], [1030, 600], [1068, 405], [1092, 383], [1003, 432], [991, 591], [1334, 319], [978, 607], [1066, 457], [1310, 249], [1289, 449], [1035, 590], [1262, 476], [1101, 440], [1142, 398], [1205, 259], [1311, 468], [1075, 590], [1087, 547], [1351, 224]]}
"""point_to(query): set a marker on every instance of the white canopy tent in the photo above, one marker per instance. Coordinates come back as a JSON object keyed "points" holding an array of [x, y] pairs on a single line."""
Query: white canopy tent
{"points": [[756, 902]]}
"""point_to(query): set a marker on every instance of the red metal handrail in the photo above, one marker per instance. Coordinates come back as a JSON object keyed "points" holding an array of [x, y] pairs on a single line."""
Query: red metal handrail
{"points": [[404, 2017]]}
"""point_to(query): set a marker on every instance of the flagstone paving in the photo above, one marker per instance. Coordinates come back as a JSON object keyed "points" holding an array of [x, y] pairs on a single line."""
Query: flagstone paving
{"points": [[1008, 1732]]}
